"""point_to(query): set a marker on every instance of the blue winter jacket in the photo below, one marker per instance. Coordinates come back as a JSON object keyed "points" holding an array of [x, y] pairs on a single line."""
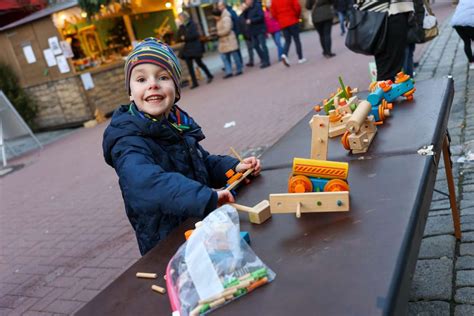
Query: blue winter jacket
{"points": [[165, 175]]}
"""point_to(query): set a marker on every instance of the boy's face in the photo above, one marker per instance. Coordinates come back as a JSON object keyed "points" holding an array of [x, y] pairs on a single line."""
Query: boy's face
{"points": [[152, 89]]}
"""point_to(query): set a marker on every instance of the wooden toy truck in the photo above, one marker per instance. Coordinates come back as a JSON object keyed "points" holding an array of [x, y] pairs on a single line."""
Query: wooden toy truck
{"points": [[316, 185]]}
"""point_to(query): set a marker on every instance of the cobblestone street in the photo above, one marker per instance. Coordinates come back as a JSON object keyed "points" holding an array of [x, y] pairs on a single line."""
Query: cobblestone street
{"points": [[64, 235]]}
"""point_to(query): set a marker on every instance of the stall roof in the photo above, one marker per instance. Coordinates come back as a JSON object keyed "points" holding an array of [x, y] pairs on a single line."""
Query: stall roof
{"points": [[42, 13]]}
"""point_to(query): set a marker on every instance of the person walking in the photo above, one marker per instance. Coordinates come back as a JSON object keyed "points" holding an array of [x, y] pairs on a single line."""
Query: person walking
{"points": [[193, 49], [389, 60], [221, 5], [255, 19], [273, 28], [228, 46], [322, 15], [342, 6], [463, 22], [245, 30], [287, 13]]}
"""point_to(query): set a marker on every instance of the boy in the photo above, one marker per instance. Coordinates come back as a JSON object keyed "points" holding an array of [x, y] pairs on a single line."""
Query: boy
{"points": [[164, 174]]}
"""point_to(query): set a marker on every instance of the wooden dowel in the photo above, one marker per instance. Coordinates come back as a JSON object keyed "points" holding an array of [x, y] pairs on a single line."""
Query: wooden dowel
{"points": [[236, 154], [145, 275], [298, 210], [158, 289], [242, 208]]}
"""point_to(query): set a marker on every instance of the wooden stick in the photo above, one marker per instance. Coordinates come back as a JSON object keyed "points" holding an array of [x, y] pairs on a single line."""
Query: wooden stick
{"points": [[236, 154], [298, 210], [235, 183], [158, 289], [145, 275]]}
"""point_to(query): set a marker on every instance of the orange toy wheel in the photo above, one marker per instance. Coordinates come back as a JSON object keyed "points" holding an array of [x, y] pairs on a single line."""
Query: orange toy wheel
{"points": [[317, 108], [385, 86], [336, 185], [387, 105], [299, 184], [401, 77], [409, 94], [345, 141]]}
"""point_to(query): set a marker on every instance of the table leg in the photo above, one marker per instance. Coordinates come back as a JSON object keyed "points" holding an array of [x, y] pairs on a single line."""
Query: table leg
{"points": [[452, 192]]}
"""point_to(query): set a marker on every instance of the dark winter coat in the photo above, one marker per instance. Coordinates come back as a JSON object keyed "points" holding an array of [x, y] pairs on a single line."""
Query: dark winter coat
{"points": [[257, 19], [341, 5], [416, 33], [244, 27], [321, 10], [193, 47], [165, 176]]}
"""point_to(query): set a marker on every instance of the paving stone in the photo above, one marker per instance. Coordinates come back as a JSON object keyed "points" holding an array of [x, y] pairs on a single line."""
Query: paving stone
{"points": [[440, 205], [439, 225], [440, 212], [467, 211], [464, 295], [432, 308], [437, 247], [466, 249], [467, 227], [464, 310], [467, 203], [465, 263], [467, 236], [432, 280], [464, 278]]}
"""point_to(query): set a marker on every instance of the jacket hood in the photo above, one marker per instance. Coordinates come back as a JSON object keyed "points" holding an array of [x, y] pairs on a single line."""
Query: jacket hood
{"points": [[124, 124]]}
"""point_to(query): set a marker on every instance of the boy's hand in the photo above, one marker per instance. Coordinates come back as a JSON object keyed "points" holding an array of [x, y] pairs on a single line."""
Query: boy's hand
{"points": [[224, 197], [247, 163]]}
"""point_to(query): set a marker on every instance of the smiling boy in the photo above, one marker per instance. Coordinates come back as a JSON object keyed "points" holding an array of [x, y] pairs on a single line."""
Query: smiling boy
{"points": [[164, 174]]}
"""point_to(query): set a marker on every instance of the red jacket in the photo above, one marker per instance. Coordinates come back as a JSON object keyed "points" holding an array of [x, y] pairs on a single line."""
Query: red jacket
{"points": [[286, 12]]}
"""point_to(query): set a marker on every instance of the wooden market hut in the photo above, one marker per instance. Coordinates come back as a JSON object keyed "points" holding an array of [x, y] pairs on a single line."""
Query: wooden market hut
{"points": [[72, 65]]}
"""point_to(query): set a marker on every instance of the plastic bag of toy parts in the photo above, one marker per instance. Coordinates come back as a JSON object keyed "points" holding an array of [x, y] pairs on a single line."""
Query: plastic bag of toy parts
{"points": [[214, 266]]}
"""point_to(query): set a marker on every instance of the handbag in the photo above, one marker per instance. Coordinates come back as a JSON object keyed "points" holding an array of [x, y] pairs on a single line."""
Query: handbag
{"points": [[430, 23], [367, 31]]}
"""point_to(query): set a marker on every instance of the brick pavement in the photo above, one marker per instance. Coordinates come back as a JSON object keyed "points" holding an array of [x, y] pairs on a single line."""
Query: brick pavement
{"points": [[443, 283], [64, 235]]}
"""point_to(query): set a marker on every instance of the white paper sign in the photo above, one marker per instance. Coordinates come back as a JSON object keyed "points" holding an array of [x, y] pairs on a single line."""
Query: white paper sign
{"points": [[62, 64], [29, 54], [87, 81], [49, 56], [54, 45], [66, 47]]}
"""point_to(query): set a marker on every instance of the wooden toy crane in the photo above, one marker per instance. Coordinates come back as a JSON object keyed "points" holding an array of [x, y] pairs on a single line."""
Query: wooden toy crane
{"points": [[316, 185], [343, 103]]}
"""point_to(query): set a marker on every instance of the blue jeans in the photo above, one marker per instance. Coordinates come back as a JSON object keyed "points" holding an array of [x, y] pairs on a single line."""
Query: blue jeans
{"points": [[289, 32], [250, 50], [408, 59], [277, 39], [342, 18], [260, 45], [226, 58]]}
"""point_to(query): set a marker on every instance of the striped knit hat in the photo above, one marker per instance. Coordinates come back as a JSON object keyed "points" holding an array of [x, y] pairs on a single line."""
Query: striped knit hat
{"points": [[153, 51]]}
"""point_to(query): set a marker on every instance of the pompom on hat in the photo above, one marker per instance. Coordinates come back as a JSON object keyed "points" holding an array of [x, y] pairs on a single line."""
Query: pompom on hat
{"points": [[154, 51]]}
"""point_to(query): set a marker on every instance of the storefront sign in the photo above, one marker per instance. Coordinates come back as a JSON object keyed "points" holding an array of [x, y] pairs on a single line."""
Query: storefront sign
{"points": [[87, 81], [62, 64], [54, 45], [29, 54], [49, 56]]}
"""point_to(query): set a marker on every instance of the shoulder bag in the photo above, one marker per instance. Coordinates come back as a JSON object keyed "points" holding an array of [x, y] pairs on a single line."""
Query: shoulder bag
{"points": [[366, 32], [430, 24]]}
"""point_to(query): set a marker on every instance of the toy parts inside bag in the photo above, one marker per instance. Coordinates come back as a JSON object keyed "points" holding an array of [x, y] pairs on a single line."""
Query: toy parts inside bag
{"points": [[214, 266]]}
